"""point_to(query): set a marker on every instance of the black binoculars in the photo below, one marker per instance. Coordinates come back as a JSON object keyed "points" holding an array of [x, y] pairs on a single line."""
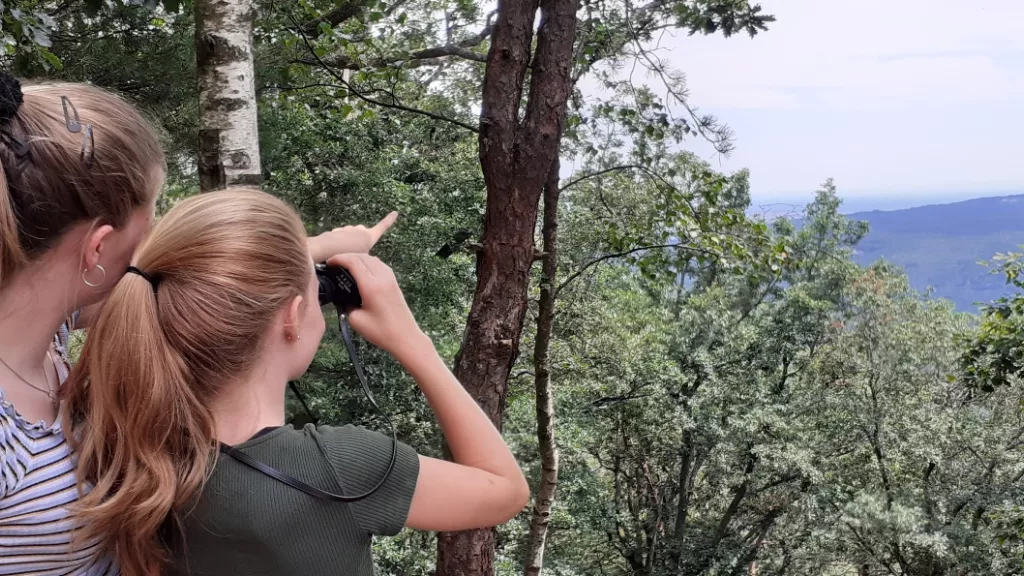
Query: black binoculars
{"points": [[338, 287]]}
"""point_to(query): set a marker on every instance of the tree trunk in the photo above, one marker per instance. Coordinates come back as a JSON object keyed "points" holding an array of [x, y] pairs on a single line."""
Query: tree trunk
{"points": [[515, 158], [683, 505], [545, 496], [229, 149]]}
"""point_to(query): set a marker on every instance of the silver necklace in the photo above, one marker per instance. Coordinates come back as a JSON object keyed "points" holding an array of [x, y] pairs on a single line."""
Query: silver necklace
{"points": [[51, 394]]}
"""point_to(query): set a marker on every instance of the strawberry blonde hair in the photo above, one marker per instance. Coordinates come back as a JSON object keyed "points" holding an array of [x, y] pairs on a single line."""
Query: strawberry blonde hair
{"points": [[139, 398], [64, 179]]}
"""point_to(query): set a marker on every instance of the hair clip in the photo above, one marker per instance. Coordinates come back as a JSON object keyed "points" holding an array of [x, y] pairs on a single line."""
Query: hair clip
{"points": [[21, 153], [19, 148], [74, 125], [87, 136]]}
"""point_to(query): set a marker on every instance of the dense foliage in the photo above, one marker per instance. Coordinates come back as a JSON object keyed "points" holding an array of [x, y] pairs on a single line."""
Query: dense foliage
{"points": [[733, 396]]}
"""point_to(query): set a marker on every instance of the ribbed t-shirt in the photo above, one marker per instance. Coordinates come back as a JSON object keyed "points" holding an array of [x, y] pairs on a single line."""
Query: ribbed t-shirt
{"points": [[246, 522]]}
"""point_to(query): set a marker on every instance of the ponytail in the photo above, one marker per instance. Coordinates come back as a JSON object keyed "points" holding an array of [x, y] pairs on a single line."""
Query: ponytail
{"points": [[167, 339], [11, 255], [149, 443]]}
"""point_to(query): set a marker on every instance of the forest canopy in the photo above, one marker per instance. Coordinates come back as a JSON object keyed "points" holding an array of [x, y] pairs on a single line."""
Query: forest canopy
{"points": [[718, 393]]}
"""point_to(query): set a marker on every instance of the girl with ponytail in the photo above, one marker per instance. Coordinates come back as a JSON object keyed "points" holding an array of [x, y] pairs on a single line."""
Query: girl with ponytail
{"points": [[192, 353], [80, 171]]}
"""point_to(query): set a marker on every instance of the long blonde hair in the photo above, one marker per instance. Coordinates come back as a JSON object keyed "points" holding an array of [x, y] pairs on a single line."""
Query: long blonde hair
{"points": [[139, 398], [64, 179]]}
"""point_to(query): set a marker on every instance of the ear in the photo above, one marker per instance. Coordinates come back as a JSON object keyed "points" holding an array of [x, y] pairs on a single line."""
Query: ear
{"points": [[292, 317], [94, 244]]}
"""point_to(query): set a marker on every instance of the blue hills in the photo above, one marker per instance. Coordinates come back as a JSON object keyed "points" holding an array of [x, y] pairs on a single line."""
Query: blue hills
{"points": [[940, 246]]}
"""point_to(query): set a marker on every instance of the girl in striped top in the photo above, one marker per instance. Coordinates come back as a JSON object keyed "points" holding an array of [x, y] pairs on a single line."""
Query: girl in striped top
{"points": [[80, 171]]}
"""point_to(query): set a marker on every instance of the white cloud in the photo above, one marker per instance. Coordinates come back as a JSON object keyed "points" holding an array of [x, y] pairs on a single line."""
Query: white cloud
{"points": [[881, 94], [837, 53]]}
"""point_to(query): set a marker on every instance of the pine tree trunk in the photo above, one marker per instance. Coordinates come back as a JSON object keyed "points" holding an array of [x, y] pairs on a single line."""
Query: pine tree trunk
{"points": [[515, 158], [545, 496], [229, 150]]}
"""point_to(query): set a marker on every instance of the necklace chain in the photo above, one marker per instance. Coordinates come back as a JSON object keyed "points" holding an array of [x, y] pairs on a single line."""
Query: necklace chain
{"points": [[49, 393]]}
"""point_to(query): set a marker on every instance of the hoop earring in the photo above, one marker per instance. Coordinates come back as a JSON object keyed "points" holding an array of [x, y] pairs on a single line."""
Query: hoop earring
{"points": [[98, 284]]}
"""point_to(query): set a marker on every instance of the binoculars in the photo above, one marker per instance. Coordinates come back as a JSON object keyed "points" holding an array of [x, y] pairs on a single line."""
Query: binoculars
{"points": [[338, 287]]}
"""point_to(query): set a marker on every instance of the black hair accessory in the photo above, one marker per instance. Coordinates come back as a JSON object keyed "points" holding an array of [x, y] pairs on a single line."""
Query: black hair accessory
{"points": [[11, 97], [154, 281], [19, 148], [74, 125]]}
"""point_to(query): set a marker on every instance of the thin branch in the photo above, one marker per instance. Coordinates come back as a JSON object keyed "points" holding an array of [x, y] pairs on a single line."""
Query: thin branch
{"points": [[413, 59], [606, 400], [449, 50], [461, 49], [644, 170], [719, 136], [605, 257], [778, 482], [599, 173], [437, 73], [303, 87], [364, 98]]}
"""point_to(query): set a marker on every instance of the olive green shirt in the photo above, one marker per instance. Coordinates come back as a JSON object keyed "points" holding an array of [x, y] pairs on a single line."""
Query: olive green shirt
{"points": [[245, 522]]}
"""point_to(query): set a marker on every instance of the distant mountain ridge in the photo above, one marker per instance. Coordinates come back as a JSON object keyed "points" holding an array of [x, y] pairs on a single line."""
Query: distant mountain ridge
{"points": [[940, 245]]}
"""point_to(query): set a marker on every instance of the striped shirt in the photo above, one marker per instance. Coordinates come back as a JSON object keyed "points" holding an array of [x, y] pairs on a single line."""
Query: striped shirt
{"points": [[37, 483]]}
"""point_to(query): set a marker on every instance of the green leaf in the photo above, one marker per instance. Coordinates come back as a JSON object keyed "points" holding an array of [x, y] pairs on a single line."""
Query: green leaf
{"points": [[51, 59]]}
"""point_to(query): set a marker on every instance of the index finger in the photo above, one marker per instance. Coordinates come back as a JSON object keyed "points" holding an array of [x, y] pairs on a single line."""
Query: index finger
{"points": [[383, 226], [353, 263]]}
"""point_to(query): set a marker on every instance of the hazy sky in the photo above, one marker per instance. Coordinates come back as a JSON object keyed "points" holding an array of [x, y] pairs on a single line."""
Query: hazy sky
{"points": [[889, 97]]}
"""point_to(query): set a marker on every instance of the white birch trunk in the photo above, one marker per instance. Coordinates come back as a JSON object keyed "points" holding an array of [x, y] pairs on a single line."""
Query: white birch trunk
{"points": [[229, 150]]}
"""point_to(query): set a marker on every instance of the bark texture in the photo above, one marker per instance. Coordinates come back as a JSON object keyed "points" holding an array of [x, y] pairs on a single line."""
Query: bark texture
{"points": [[516, 157], [229, 149], [545, 496]]}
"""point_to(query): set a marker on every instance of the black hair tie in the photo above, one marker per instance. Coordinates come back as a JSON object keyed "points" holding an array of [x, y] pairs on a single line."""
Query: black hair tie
{"points": [[11, 97], [153, 281]]}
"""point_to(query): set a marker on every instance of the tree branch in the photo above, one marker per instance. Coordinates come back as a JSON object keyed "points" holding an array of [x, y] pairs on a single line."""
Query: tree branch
{"points": [[368, 100], [599, 173], [461, 49], [336, 16], [605, 257], [449, 50], [639, 167], [778, 482], [550, 80]]}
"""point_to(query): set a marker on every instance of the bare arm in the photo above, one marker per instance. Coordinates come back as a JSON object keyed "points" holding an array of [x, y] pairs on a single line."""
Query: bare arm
{"points": [[484, 486]]}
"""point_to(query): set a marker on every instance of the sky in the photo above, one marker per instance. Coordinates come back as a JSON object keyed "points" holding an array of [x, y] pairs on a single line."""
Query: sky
{"points": [[901, 101]]}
